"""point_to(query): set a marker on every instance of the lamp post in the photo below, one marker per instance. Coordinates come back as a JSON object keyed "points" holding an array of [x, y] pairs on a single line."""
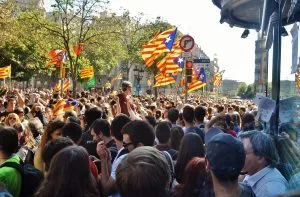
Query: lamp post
{"points": [[138, 75]]}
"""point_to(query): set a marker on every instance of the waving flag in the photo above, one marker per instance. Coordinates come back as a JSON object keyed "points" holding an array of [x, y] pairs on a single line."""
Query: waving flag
{"points": [[67, 84], [162, 80], [87, 72], [179, 61], [152, 50], [217, 78], [297, 76], [168, 64], [118, 77], [57, 57], [5, 72], [58, 108], [78, 48]]}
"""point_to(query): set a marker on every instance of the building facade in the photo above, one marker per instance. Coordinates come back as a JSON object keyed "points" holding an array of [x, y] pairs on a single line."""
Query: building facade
{"points": [[230, 87], [261, 66]]}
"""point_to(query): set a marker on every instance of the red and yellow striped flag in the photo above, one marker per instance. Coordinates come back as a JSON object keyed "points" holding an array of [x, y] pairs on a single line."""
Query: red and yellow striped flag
{"points": [[162, 80], [217, 78], [67, 85], [59, 107], [152, 50], [297, 76], [87, 72], [5, 72], [118, 77], [78, 48]]}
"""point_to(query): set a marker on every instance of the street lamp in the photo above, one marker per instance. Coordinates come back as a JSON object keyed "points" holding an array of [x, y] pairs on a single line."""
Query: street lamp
{"points": [[138, 75]]}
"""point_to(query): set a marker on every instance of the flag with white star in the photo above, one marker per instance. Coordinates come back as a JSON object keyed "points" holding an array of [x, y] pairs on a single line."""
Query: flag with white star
{"points": [[169, 41], [180, 61]]}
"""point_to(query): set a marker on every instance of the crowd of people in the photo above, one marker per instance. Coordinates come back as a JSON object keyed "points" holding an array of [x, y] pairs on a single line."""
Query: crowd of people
{"points": [[117, 144]]}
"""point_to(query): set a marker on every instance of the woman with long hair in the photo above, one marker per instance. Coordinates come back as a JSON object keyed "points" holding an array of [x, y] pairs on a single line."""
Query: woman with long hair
{"points": [[191, 146], [196, 181], [12, 119], [52, 132], [69, 175]]}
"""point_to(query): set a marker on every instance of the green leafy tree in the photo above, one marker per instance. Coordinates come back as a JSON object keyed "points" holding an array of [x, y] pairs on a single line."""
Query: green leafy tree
{"points": [[242, 90], [249, 94]]}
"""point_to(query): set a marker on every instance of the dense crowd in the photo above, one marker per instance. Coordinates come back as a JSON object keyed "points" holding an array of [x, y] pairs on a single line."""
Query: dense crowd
{"points": [[117, 144]]}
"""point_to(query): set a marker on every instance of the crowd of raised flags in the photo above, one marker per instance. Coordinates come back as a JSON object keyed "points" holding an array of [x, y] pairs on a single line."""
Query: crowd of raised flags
{"points": [[5, 72]]}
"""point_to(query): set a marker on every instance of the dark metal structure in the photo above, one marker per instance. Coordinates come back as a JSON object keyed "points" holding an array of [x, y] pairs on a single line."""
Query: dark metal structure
{"points": [[138, 75], [268, 17]]}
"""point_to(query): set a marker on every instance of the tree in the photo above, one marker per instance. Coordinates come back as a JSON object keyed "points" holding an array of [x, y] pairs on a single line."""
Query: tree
{"points": [[249, 94], [242, 90], [73, 22]]}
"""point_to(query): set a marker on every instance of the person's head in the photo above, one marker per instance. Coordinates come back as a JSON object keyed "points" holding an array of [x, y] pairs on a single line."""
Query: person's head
{"points": [[72, 131], [163, 132], [117, 125], [126, 87], [36, 127], [230, 110], [68, 114], [200, 113], [11, 104], [195, 177], [99, 129], [151, 120], [225, 158], [176, 137], [137, 133], [191, 146], [143, 173], [173, 115], [260, 151], [248, 122], [52, 132], [53, 147], [8, 141], [91, 115], [20, 112], [12, 119], [188, 114], [220, 109], [69, 175], [242, 111]]}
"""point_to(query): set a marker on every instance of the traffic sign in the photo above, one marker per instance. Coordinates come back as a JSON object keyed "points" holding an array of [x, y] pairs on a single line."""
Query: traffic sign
{"points": [[203, 61], [187, 43], [187, 54]]}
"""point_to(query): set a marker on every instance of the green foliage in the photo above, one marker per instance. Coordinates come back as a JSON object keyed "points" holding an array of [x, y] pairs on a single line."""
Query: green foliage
{"points": [[242, 90], [246, 92]]}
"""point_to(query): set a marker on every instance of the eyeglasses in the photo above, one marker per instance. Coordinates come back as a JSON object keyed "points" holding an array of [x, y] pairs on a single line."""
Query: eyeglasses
{"points": [[12, 118], [125, 145]]}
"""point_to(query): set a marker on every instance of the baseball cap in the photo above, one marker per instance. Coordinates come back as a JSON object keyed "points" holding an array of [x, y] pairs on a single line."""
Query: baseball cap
{"points": [[226, 156], [212, 132]]}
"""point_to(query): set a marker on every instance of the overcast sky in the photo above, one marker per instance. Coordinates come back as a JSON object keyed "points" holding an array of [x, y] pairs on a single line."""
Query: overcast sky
{"points": [[200, 19]]}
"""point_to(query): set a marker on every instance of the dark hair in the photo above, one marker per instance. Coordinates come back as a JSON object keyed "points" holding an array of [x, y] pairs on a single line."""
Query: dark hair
{"points": [[200, 113], [151, 120], [53, 147], [139, 132], [248, 122], [191, 146], [163, 132], [158, 114], [188, 113], [263, 146], [69, 175], [70, 113], [91, 115], [220, 109], [173, 115], [125, 85], [72, 131], [196, 181], [73, 120], [51, 127], [143, 173], [101, 125], [8, 140], [176, 137], [117, 124]]}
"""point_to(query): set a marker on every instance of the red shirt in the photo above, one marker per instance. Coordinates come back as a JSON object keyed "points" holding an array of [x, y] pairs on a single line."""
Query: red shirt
{"points": [[123, 104]]}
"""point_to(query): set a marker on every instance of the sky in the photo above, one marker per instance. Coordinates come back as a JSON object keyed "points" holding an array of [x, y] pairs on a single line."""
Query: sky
{"points": [[200, 19]]}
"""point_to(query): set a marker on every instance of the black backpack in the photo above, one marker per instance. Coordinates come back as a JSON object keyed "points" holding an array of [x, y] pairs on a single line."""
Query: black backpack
{"points": [[31, 177]]}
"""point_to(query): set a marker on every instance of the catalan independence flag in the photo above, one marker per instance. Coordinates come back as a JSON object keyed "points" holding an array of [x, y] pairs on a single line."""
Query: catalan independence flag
{"points": [[5, 72], [58, 108], [87, 72], [169, 64], [57, 57], [162, 80], [217, 78], [162, 42]]}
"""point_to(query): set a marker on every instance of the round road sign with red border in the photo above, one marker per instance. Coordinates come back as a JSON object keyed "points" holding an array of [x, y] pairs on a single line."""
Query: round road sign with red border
{"points": [[187, 43]]}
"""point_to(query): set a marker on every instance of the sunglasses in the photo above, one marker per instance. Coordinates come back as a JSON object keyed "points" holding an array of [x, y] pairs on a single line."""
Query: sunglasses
{"points": [[12, 118]]}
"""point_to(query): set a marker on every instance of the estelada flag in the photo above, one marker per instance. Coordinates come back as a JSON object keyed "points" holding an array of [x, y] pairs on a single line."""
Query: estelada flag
{"points": [[57, 57], [78, 48]]}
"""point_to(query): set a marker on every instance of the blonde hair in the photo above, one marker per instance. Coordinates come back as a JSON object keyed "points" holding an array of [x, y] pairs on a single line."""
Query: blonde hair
{"points": [[12, 115]]}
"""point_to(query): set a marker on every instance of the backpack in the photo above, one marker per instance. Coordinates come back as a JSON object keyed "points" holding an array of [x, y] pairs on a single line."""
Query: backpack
{"points": [[31, 177], [171, 166]]}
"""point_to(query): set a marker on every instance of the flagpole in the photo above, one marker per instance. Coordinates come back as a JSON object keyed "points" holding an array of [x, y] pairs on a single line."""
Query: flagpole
{"points": [[62, 81]]}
